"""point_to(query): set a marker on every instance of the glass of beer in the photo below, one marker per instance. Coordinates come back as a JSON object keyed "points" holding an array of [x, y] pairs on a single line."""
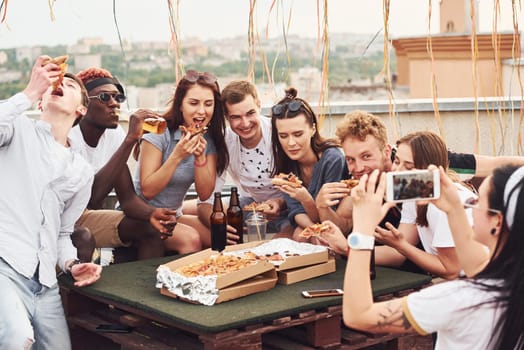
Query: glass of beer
{"points": [[156, 125]]}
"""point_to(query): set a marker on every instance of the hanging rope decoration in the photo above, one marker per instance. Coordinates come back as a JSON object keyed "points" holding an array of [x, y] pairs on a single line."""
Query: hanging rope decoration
{"points": [[324, 86], [263, 55], [387, 73], [3, 6], [495, 42], [429, 47], [285, 30], [516, 52], [252, 56], [271, 72], [120, 41], [474, 56], [174, 25], [51, 4]]}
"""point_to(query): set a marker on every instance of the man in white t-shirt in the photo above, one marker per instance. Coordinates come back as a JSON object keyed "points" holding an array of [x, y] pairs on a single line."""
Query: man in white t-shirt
{"points": [[248, 139], [105, 145]]}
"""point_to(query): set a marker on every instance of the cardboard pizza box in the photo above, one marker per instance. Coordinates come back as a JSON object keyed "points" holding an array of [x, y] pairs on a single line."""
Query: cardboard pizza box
{"points": [[224, 280], [260, 283], [291, 262], [304, 273]]}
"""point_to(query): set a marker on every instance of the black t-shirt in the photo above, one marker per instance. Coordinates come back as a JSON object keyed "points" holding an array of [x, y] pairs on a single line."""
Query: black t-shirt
{"points": [[462, 163]]}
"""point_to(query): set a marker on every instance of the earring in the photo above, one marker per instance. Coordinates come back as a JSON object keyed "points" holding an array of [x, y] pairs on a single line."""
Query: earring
{"points": [[493, 231]]}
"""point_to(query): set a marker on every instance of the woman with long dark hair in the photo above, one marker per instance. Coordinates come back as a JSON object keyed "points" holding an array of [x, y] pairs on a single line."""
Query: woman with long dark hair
{"points": [[298, 148], [482, 312], [171, 162]]}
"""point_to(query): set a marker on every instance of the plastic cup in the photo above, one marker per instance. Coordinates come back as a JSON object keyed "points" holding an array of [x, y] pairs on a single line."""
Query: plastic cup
{"points": [[256, 228]]}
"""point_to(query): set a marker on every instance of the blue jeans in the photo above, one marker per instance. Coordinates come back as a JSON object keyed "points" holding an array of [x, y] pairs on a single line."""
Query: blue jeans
{"points": [[273, 226], [32, 314]]}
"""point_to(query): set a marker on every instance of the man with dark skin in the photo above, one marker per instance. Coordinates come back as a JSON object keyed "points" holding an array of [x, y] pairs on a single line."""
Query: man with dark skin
{"points": [[103, 142]]}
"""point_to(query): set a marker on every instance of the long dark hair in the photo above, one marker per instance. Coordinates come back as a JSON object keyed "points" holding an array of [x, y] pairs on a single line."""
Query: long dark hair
{"points": [[507, 263], [217, 125], [283, 164]]}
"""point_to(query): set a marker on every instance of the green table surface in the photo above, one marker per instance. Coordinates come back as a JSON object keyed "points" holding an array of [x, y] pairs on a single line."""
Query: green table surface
{"points": [[133, 284]]}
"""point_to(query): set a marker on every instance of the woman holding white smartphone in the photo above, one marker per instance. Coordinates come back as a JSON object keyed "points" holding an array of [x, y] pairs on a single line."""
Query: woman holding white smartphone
{"points": [[423, 223], [482, 312]]}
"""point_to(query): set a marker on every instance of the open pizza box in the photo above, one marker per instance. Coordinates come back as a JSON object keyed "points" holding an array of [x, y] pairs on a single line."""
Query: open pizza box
{"points": [[247, 280], [306, 261]]}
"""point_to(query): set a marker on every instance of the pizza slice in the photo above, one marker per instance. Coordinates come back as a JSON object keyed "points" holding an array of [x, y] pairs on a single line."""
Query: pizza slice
{"points": [[287, 179], [193, 129], [314, 230], [256, 207], [60, 61], [350, 183]]}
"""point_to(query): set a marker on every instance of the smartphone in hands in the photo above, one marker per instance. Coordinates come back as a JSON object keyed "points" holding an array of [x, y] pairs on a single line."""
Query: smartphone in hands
{"points": [[322, 293], [412, 185]]}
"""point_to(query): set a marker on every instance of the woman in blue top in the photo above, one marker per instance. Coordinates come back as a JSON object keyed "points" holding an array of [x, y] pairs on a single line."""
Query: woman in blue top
{"points": [[299, 148], [171, 162]]}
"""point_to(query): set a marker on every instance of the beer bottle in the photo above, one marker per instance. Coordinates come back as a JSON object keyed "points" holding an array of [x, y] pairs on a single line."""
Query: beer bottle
{"points": [[218, 224], [234, 214], [372, 272]]}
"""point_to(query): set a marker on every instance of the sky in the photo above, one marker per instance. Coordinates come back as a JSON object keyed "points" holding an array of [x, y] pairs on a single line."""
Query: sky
{"points": [[28, 22]]}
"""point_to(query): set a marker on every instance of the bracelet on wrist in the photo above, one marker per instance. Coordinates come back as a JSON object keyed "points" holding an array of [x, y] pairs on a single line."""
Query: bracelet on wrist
{"points": [[200, 165], [70, 266]]}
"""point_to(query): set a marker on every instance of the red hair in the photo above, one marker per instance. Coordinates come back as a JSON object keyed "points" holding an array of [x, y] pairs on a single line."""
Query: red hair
{"points": [[93, 73]]}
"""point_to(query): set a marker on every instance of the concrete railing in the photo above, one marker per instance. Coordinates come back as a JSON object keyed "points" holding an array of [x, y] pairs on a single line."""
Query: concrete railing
{"points": [[498, 121]]}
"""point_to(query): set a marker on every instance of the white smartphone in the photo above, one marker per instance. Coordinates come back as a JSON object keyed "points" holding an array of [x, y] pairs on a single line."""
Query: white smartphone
{"points": [[412, 185], [322, 293]]}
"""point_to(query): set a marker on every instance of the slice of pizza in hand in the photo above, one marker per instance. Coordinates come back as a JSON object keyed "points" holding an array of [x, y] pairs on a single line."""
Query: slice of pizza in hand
{"points": [[287, 179], [314, 230], [193, 129], [254, 206], [60, 61], [350, 183]]}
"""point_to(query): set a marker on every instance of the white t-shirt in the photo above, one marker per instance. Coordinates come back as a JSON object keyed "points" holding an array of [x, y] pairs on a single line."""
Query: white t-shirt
{"points": [[107, 146], [445, 308], [250, 169], [437, 234]]}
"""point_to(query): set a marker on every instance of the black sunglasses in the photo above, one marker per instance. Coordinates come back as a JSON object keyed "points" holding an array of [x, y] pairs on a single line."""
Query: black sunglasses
{"points": [[292, 106], [193, 76], [105, 97]]}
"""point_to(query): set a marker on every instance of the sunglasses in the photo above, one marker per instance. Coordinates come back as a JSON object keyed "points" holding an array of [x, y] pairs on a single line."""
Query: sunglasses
{"points": [[473, 203], [193, 76], [292, 106], [105, 97]]}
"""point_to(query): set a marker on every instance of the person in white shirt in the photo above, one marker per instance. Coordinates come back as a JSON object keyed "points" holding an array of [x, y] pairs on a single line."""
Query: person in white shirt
{"points": [[248, 140], [45, 187], [481, 312], [426, 223], [102, 141]]}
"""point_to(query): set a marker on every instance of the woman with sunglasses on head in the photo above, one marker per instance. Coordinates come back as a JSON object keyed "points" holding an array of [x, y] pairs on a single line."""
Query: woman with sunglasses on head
{"points": [[171, 162], [298, 148], [422, 223], [481, 312]]}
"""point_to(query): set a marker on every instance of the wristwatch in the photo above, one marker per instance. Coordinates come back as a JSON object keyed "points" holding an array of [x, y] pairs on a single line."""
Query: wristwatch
{"points": [[359, 241], [70, 266]]}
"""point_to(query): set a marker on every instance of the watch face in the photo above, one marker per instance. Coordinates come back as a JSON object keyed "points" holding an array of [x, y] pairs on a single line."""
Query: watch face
{"points": [[353, 240]]}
